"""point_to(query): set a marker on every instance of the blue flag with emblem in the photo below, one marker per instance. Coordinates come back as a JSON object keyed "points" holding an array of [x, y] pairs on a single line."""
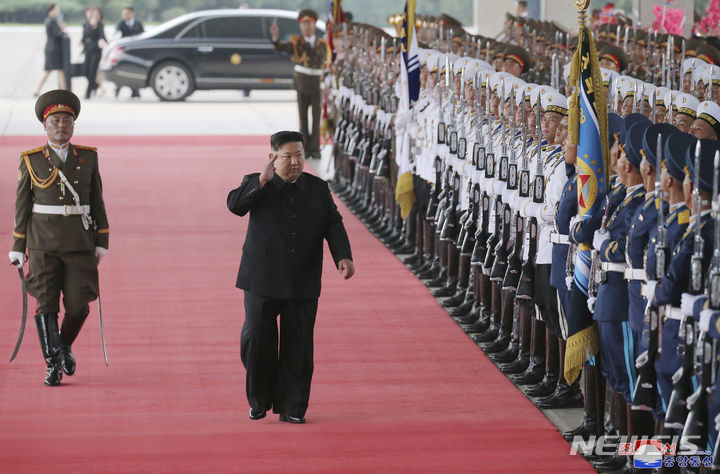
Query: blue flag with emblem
{"points": [[588, 128], [410, 90]]}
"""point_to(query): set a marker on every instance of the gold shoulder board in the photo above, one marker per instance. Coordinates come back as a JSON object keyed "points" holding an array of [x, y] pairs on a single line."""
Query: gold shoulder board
{"points": [[34, 150]]}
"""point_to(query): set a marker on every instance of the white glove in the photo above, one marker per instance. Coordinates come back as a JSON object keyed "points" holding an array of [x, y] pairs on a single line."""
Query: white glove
{"points": [[717, 422], [591, 304], [99, 253], [687, 303], [569, 282], [575, 219], [648, 290], [705, 316], [600, 238], [17, 259]]}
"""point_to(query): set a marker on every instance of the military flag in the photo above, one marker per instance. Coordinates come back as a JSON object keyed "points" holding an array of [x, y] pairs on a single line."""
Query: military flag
{"points": [[410, 90], [587, 121]]}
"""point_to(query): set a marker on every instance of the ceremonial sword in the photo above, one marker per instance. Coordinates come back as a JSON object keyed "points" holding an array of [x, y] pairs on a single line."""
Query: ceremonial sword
{"points": [[24, 312], [102, 331]]}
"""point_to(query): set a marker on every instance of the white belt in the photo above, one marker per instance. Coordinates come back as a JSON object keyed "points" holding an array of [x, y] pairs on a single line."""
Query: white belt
{"points": [[635, 274], [61, 210], [559, 238], [673, 312], [612, 267], [308, 71]]}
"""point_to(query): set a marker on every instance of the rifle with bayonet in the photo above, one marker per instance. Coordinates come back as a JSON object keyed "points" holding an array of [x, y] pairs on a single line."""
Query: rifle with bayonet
{"points": [[677, 411], [644, 396], [696, 430]]}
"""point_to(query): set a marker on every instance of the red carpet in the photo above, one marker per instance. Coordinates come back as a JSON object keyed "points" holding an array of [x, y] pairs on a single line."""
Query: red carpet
{"points": [[398, 387]]}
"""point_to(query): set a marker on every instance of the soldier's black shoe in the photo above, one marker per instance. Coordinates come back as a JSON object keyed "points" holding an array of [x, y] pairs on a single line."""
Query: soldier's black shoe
{"points": [[405, 249], [430, 274], [443, 292], [472, 317], [507, 356], [479, 326], [68, 359], [585, 430], [47, 325], [564, 396], [411, 260], [456, 299], [298, 420], [518, 366], [546, 386], [486, 336], [611, 463], [498, 345], [465, 309], [437, 282], [532, 376], [257, 414]]}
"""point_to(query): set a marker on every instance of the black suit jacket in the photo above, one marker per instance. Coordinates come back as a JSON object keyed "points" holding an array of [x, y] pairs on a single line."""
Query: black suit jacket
{"points": [[283, 251]]}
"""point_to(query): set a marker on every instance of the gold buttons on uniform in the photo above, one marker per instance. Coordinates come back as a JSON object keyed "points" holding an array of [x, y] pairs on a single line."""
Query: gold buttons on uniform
{"points": [[60, 197]]}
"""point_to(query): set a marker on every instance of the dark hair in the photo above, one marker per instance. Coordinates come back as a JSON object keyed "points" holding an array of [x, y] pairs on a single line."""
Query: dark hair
{"points": [[50, 8], [278, 139], [129, 8]]}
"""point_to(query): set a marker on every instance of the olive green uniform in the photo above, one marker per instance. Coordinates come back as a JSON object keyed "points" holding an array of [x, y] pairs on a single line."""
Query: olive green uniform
{"points": [[310, 59], [61, 250]]}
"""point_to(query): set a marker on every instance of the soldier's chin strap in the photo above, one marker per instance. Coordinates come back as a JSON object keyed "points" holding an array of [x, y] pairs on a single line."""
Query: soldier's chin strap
{"points": [[86, 219]]}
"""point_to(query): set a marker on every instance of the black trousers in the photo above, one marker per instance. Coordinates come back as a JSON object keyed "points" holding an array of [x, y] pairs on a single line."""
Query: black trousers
{"points": [[305, 101], [278, 377], [546, 299], [92, 62]]}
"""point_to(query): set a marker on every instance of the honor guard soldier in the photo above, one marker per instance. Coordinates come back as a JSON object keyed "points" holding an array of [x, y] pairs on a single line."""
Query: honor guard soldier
{"points": [[676, 222], [60, 221], [309, 54], [611, 305]]}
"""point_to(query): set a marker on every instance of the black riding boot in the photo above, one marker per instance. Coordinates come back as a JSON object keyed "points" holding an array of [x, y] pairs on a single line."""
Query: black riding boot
{"points": [[69, 331], [47, 325]]}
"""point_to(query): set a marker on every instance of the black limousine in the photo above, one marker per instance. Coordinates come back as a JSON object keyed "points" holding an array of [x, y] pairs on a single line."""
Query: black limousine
{"points": [[213, 49]]}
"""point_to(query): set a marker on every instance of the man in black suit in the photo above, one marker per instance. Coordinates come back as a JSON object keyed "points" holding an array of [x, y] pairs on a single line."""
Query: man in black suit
{"points": [[129, 26], [291, 213]]}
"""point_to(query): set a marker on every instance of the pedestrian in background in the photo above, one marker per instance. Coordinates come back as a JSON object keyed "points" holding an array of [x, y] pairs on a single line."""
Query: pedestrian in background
{"points": [[126, 27], [55, 30], [93, 41]]}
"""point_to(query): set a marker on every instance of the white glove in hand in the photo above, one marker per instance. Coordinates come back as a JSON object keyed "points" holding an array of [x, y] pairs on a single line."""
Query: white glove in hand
{"points": [[648, 290], [705, 316], [600, 238], [17, 259], [717, 422], [569, 282], [99, 253], [575, 219], [591, 304], [687, 303]]}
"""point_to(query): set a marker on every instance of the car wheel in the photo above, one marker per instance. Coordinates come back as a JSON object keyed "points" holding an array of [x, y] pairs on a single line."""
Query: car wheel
{"points": [[172, 81], [246, 92]]}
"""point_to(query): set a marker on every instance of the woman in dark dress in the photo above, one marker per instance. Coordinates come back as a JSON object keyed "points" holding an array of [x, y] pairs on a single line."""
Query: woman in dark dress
{"points": [[53, 48], [93, 42]]}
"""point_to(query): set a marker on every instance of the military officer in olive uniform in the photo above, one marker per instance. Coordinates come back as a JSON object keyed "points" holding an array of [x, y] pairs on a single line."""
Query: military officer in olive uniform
{"points": [[60, 221], [309, 54]]}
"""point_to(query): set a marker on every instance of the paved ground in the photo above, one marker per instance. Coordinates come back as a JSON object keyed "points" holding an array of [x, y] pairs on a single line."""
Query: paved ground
{"points": [[204, 113]]}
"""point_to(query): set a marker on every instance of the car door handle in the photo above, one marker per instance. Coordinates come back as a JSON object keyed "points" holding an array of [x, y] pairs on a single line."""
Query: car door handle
{"points": [[205, 49]]}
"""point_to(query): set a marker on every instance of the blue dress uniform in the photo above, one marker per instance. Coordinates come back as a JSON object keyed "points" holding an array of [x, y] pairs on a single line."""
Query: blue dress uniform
{"points": [[567, 208], [617, 342], [676, 222], [670, 288], [611, 307]]}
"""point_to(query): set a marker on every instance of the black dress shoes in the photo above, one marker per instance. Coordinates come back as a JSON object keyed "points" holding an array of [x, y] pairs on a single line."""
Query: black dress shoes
{"points": [[298, 420], [564, 396], [257, 414]]}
